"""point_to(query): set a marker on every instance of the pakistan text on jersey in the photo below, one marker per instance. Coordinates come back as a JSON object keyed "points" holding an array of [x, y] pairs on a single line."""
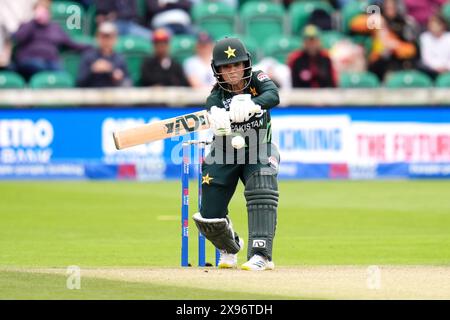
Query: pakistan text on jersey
{"points": [[246, 126]]}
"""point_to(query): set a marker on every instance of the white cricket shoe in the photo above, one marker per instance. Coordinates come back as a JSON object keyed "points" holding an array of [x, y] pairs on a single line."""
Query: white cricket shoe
{"points": [[258, 263], [229, 260]]}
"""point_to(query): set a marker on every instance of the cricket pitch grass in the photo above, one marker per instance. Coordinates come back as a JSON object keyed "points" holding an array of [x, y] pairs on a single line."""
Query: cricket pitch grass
{"points": [[335, 240]]}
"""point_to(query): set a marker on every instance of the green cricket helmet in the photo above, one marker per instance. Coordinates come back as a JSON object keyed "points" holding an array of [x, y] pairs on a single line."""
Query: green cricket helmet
{"points": [[227, 51]]}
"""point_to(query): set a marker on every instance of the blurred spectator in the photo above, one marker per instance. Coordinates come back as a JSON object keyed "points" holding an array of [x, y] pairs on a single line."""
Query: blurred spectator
{"points": [[12, 15], [422, 10], [124, 14], [38, 42], [277, 71], [435, 47], [347, 56], [170, 14], [394, 43], [102, 67], [161, 69], [198, 68], [311, 66], [5, 49]]}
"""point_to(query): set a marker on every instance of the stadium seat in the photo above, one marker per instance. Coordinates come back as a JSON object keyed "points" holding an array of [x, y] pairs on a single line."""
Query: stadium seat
{"points": [[64, 12], [71, 63], [218, 19], [71, 60], [408, 79], [365, 41], [351, 10], [91, 25], [279, 47], [446, 11], [443, 80], [329, 38], [134, 49], [358, 80], [11, 80], [130, 44], [262, 20], [182, 47], [299, 13], [242, 2], [51, 80], [141, 8]]}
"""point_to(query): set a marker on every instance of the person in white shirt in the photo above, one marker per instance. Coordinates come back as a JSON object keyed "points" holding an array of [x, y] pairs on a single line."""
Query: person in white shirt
{"points": [[277, 71], [12, 15], [435, 47], [198, 68]]}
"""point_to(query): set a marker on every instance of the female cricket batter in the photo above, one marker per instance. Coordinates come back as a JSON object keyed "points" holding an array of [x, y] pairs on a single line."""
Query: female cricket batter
{"points": [[239, 91]]}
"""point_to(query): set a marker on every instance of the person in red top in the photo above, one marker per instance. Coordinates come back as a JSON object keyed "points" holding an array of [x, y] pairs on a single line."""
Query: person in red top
{"points": [[311, 67]]}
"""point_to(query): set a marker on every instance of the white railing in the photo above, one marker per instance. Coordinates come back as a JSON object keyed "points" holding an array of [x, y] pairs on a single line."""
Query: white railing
{"points": [[189, 97]]}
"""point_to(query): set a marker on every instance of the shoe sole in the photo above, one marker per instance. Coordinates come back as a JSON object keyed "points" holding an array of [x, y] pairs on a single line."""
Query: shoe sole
{"points": [[226, 266], [270, 266]]}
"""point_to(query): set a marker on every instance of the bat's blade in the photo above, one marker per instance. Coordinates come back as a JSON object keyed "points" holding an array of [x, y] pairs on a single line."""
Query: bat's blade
{"points": [[161, 130]]}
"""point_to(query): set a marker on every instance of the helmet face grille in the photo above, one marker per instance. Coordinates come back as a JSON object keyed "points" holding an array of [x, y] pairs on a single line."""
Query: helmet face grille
{"points": [[225, 85]]}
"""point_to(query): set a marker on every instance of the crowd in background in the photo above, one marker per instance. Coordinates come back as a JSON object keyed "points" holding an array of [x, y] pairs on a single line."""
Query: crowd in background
{"points": [[412, 35]]}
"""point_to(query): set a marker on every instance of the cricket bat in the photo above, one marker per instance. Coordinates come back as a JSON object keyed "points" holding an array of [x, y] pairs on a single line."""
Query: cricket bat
{"points": [[164, 129], [161, 129]]}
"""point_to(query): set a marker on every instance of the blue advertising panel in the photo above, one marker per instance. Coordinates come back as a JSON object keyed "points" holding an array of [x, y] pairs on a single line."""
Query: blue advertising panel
{"points": [[335, 143]]}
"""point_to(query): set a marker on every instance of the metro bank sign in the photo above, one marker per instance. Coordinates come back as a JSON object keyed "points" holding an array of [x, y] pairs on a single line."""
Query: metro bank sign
{"points": [[25, 141]]}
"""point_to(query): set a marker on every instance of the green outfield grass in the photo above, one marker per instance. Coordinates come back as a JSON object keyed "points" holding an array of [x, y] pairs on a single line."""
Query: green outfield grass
{"points": [[95, 224]]}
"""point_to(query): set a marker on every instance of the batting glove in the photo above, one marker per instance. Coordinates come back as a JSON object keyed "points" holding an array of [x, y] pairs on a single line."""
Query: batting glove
{"points": [[242, 108], [220, 121]]}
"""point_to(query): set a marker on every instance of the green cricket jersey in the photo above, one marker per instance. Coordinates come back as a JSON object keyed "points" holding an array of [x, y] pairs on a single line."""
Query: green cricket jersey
{"points": [[264, 92]]}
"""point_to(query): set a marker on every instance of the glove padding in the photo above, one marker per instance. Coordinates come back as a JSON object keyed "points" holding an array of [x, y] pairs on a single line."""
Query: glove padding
{"points": [[242, 108], [219, 120]]}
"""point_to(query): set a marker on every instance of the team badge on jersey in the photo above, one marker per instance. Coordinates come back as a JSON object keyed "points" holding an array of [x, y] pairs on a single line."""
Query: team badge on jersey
{"points": [[263, 77], [206, 179]]}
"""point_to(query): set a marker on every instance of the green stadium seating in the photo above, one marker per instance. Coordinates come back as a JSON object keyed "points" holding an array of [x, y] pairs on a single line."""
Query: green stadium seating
{"points": [[51, 80], [218, 19], [63, 13], [358, 80], [182, 47], [91, 25], [279, 47], [262, 20], [141, 8], [299, 13], [443, 80], [351, 10], [11, 80], [242, 2], [130, 44], [330, 38], [71, 60], [135, 50], [408, 79], [365, 41], [71, 63], [446, 11]]}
